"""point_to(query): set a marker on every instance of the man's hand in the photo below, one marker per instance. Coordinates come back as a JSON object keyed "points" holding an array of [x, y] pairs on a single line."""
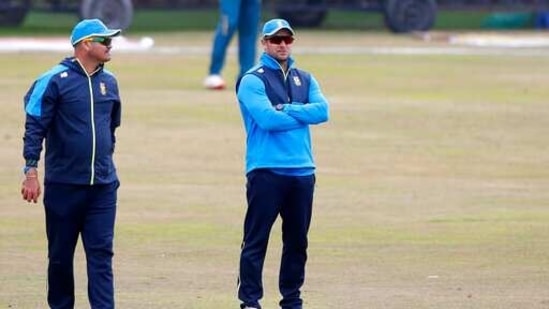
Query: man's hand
{"points": [[30, 189]]}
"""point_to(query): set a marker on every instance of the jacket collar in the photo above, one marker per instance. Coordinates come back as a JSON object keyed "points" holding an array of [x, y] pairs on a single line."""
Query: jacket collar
{"points": [[271, 62], [74, 65]]}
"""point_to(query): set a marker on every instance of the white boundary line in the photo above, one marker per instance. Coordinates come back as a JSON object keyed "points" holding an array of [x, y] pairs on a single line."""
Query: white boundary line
{"points": [[10, 45], [470, 44]]}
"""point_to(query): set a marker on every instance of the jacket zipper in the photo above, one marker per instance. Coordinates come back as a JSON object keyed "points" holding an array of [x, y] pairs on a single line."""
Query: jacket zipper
{"points": [[92, 113]]}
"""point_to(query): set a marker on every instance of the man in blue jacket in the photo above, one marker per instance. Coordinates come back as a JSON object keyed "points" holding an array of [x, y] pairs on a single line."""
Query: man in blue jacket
{"points": [[278, 103], [240, 16], [75, 108]]}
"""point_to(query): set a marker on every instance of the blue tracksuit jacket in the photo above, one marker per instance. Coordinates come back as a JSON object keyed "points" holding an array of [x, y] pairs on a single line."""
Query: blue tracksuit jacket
{"points": [[77, 114], [280, 140]]}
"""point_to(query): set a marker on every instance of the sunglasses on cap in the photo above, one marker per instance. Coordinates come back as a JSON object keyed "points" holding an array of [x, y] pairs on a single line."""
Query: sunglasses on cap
{"points": [[101, 40], [279, 39]]}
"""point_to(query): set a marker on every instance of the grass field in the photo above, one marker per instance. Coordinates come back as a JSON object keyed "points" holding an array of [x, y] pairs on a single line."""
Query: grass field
{"points": [[433, 178], [47, 22]]}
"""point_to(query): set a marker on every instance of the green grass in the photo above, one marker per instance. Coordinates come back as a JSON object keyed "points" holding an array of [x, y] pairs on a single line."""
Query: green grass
{"points": [[432, 181], [45, 22]]}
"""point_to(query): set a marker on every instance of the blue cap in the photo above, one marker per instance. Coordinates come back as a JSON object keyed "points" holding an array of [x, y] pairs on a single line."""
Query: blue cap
{"points": [[88, 28], [274, 25]]}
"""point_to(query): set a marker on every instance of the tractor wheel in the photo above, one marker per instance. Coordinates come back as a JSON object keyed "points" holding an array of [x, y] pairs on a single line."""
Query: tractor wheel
{"points": [[302, 13], [116, 14], [410, 15]]}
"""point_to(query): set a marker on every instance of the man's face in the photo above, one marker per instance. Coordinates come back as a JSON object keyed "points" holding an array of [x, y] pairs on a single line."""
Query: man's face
{"points": [[99, 48], [279, 44]]}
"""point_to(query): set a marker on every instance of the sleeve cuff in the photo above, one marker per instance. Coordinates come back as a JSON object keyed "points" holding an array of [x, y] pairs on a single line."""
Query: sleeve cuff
{"points": [[31, 163]]}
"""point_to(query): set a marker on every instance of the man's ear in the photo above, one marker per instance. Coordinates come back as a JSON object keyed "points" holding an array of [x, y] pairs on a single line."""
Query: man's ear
{"points": [[85, 45]]}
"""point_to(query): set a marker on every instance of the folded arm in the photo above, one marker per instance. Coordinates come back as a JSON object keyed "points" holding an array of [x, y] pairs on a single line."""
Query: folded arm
{"points": [[313, 112], [253, 98]]}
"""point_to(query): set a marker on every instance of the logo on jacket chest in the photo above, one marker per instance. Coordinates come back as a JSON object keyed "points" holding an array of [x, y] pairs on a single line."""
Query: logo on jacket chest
{"points": [[102, 88], [297, 81]]}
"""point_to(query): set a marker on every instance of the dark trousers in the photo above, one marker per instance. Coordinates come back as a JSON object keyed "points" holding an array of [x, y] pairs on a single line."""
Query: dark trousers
{"points": [[89, 211], [270, 195]]}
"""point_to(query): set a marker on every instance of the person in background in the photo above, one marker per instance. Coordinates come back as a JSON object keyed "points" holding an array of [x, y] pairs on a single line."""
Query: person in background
{"points": [[75, 108], [234, 15], [278, 104]]}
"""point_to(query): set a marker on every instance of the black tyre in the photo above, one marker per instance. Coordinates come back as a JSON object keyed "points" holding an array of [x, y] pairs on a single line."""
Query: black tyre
{"points": [[302, 13], [13, 12], [114, 13], [410, 15]]}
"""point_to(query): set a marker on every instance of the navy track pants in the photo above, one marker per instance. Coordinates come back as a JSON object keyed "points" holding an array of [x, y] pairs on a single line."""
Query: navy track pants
{"points": [[270, 195], [88, 211]]}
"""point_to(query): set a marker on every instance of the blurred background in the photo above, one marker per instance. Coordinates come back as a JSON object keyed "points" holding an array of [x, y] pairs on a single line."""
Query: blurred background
{"points": [[37, 16]]}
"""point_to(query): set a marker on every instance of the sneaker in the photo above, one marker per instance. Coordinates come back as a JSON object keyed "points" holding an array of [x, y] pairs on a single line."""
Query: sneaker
{"points": [[214, 82]]}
